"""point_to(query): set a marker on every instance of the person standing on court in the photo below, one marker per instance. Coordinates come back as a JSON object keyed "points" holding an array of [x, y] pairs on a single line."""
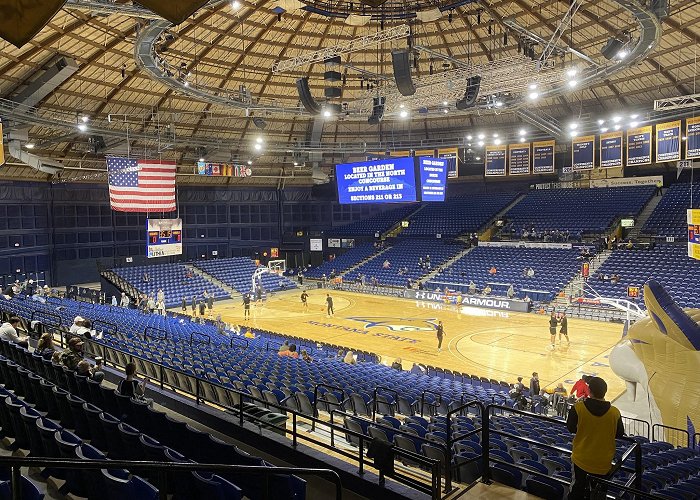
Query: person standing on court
{"points": [[184, 305], [440, 332], [246, 306], [596, 424], [553, 329], [329, 303], [210, 302], [194, 305], [304, 300], [563, 330]]}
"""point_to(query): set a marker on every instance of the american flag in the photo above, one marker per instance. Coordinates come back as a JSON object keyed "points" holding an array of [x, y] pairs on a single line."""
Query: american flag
{"points": [[141, 185]]}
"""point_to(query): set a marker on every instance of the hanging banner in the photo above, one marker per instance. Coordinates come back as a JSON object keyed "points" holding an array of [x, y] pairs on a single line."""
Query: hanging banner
{"points": [[223, 169], [693, 233], [583, 153], [543, 157], [639, 146], [424, 152], [611, 150], [450, 154], [519, 159], [495, 161], [692, 141], [668, 141]]}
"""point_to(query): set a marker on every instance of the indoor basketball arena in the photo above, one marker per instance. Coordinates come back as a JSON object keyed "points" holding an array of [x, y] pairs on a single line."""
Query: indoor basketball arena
{"points": [[349, 249]]}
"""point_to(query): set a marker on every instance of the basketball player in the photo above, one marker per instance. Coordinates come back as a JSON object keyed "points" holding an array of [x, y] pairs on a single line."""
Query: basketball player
{"points": [[553, 329], [440, 332], [304, 297], [329, 302], [563, 330], [246, 306], [258, 294]]}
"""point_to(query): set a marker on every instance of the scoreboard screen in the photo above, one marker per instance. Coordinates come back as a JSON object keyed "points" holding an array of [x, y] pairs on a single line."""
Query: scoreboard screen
{"points": [[392, 180], [163, 237]]}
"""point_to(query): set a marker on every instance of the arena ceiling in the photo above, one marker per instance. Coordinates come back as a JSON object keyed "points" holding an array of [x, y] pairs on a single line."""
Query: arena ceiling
{"points": [[212, 76]]}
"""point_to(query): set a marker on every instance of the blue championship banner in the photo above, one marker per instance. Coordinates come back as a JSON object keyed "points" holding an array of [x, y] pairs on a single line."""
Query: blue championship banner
{"points": [[639, 146], [450, 154], [611, 150], [543, 157], [692, 141], [519, 159], [668, 141], [583, 153], [495, 161]]}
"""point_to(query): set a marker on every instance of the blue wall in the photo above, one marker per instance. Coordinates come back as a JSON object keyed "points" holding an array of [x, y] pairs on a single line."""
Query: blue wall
{"points": [[65, 229]]}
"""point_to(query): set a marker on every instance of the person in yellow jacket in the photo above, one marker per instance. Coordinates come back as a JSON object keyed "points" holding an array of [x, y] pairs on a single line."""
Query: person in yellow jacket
{"points": [[596, 424]]}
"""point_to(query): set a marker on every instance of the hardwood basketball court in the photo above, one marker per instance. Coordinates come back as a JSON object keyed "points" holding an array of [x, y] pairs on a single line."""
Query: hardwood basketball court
{"points": [[494, 344]]}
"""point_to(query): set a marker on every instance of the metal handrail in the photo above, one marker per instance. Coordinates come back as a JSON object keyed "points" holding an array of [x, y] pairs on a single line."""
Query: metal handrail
{"points": [[114, 329], [154, 329], [437, 403], [48, 314], [206, 340], [238, 339], [15, 463], [654, 437], [375, 402], [451, 440], [435, 464], [637, 422], [616, 466]]}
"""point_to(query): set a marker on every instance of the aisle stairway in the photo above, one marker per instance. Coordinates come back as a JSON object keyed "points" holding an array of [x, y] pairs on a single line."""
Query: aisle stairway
{"points": [[231, 291], [644, 216], [491, 229], [454, 259], [574, 287], [397, 228], [350, 269]]}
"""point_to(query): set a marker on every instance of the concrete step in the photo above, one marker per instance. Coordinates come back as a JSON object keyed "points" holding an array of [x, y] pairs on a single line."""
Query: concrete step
{"points": [[228, 289]]}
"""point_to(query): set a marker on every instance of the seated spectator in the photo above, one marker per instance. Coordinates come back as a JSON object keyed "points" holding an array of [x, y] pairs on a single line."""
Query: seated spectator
{"points": [[396, 365], [146, 277], [8, 332], [249, 334], [386, 264], [129, 386], [114, 301], [580, 389], [73, 355], [77, 324], [615, 279], [472, 287], [284, 346], [45, 347], [340, 354], [511, 292], [291, 352], [85, 329], [349, 358], [85, 369], [493, 270], [305, 356], [630, 245], [530, 272], [486, 290]]}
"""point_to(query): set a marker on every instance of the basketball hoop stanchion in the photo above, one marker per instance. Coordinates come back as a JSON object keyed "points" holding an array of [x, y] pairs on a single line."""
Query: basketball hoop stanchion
{"points": [[632, 310]]}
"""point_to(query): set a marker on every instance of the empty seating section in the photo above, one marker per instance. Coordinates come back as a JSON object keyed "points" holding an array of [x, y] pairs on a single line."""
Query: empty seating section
{"points": [[553, 269], [237, 272], [344, 261], [121, 429], [404, 254], [461, 214], [52, 413], [667, 264], [173, 279], [377, 223], [586, 211], [669, 216]]}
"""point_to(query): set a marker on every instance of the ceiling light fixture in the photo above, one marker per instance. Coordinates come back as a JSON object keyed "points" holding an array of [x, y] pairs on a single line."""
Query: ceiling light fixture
{"points": [[481, 143], [497, 142], [85, 118], [29, 145], [573, 83], [469, 137], [403, 113], [250, 162], [600, 122], [573, 125], [82, 127], [634, 124], [616, 118], [603, 129], [258, 147], [481, 136], [533, 96], [235, 5]]}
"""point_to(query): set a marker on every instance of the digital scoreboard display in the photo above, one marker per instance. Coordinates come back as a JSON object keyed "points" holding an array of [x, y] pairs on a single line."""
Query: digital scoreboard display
{"points": [[433, 178], [392, 180]]}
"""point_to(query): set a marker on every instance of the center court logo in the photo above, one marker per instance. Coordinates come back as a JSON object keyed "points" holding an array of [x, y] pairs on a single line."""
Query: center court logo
{"points": [[399, 324]]}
